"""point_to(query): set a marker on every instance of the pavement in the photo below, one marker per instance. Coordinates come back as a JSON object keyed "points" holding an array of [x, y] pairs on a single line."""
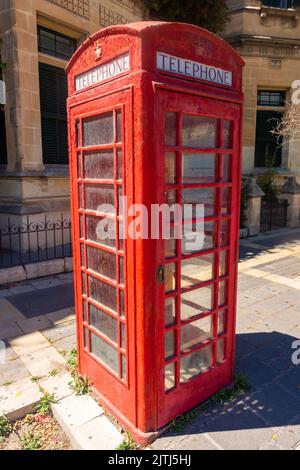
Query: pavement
{"points": [[37, 324]]}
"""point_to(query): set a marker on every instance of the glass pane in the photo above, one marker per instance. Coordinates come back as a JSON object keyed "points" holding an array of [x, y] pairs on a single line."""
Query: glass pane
{"points": [[195, 364], [120, 200], [170, 129], [102, 262], [195, 333], [104, 323], [221, 350], [121, 235], [198, 168], [223, 263], [170, 277], [81, 221], [99, 165], [170, 245], [196, 270], [170, 167], [123, 336], [80, 198], [82, 258], [79, 167], [105, 352], [100, 198], [78, 134], [169, 377], [222, 293], [199, 132], [98, 131], [122, 271], [101, 230], [170, 312], [224, 233], [84, 309], [122, 303], [194, 241], [103, 293], [86, 338], [169, 344], [225, 201], [124, 367], [222, 322], [83, 283], [205, 196], [227, 134], [195, 302], [226, 168], [120, 163], [119, 126]]}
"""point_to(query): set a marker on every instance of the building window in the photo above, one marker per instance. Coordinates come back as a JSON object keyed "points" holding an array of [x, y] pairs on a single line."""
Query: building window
{"points": [[270, 98], [53, 95], [267, 145], [55, 44], [280, 3]]}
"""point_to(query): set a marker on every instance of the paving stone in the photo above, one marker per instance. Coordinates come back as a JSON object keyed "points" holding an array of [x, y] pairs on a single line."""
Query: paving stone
{"points": [[291, 381], [61, 316], [74, 411], [19, 399], [40, 363], [21, 289], [43, 301], [29, 343], [10, 331], [13, 371], [66, 276], [256, 372], [9, 314], [46, 283], [5, 293], [9, 352], [239, 429], [34, 324], [66, 344], [69, 265], [185, 442], [288, 437], [97, 434], [275, 405], [58, 332], [58, 385]]}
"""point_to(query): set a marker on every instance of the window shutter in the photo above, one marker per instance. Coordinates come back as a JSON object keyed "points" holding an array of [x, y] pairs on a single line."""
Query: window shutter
{"points": [[53, 94]]}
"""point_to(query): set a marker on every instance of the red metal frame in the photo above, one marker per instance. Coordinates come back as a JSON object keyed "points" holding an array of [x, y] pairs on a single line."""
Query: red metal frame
{"points": [[144, 94]]}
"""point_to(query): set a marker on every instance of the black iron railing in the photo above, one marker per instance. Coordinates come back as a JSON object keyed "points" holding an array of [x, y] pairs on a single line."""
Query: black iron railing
{"points": [[273, 215], [34, 241]]}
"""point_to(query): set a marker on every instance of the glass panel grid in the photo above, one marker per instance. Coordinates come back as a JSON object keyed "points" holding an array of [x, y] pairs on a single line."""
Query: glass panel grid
{"points": [[103, 182], [187, 308]]}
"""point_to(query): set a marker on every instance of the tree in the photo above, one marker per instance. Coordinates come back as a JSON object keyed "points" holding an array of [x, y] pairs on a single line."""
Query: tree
{"points": [[210, 14]]}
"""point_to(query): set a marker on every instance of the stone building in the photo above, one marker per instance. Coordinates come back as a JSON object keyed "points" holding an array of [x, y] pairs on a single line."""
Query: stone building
{"points": [[37, 38], [267, 35]]}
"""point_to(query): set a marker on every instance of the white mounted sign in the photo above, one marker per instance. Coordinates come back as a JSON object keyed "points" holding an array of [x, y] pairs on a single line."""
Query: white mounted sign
{"points": [[2, 92], [189, 68], [102, 73]]}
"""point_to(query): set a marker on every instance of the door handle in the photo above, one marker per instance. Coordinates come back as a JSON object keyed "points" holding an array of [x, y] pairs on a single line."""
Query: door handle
{"points": [[161, 274]]}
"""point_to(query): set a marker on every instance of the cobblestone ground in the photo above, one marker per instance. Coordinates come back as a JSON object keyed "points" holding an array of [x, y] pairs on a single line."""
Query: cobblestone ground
{"points": [[37, 323], [268, 322]]}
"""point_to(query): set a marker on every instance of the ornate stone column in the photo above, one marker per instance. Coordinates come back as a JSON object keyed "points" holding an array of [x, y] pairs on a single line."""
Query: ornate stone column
{"points": [[253, 211], [291, 192]]}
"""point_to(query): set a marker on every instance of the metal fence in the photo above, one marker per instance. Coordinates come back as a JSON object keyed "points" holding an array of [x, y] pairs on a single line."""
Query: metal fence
{"points": [[273, 215], [34, 240]]}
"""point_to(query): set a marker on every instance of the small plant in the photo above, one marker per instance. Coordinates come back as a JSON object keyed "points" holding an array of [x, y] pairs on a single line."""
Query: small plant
{"points": [[44, 405], [128, 444], [80, 385], [7, 383], [5, 427], [53, 373], [35, 379], [30, 442]]}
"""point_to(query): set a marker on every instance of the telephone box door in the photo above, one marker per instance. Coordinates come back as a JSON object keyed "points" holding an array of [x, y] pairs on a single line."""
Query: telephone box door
{"points": [[200, 146], [100, 177]]}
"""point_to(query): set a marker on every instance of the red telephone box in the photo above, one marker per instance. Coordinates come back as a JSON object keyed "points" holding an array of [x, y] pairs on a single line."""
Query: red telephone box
{"points": [[155, 115]]}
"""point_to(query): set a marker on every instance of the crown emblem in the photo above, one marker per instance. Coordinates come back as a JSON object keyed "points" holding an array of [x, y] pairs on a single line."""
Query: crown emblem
{"points": [[98, 51], [200, 47]]}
